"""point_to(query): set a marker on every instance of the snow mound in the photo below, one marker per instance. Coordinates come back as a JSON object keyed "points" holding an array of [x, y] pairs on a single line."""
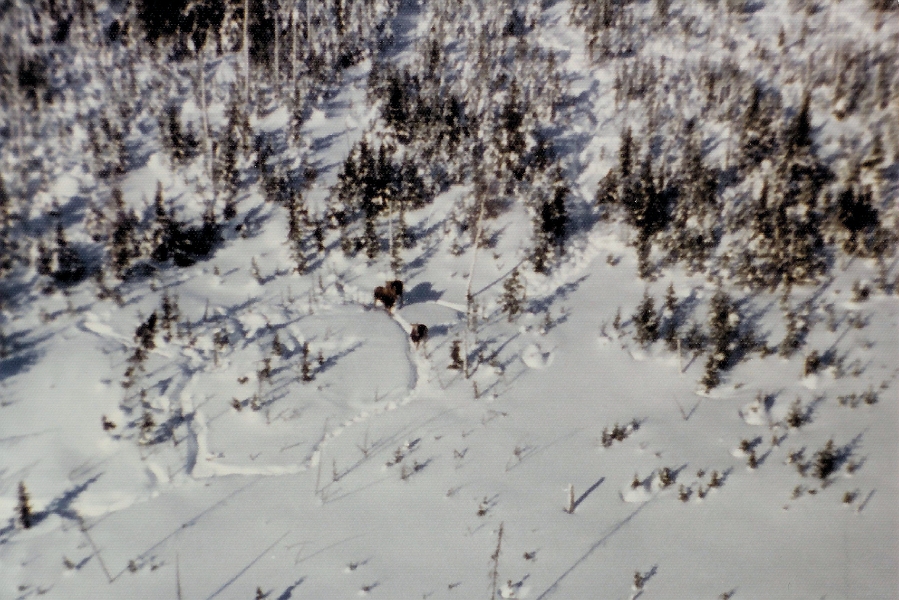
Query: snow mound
{"points": [[754, 413], [535, 358], [809, 382], [640, 493]]}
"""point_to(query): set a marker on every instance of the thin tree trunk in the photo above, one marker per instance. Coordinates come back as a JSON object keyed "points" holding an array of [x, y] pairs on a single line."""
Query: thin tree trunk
{"points": [[390, 228], [468, 298], [494, 572], [17, 96], [308, 30], [277, 51], [246, 51], [201, 65], [293, 50], [90, 540]]}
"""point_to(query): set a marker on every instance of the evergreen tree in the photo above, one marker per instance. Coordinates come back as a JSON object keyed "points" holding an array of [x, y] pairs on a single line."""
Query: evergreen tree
{"points": [[370, 239], [226, 171], [147, 423], [297, 219], [541, 253], [510, 133], [607, 189], [172, 139], [647, 208], [550, 227], [159, 18], [395, 110], [123, 243], [8, 244], [646, 321], [724, 323], [513, 295], [876, 155], [161, 229], [305, 367], [555, 215], [170, 313], [626, 153], [790, 240], [411, 187], [277, 346], [757, 138], [398, 241], [694, 216], [797, 135], [672, 322], [856, 213], [645, 266], [145, 335], [69, 265], [24, 507], [44, 264], [711, 378], [456, 356], [260, 30]]}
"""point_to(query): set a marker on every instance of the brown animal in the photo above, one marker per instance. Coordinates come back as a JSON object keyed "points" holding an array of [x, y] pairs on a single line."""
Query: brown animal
{"points": [[418, 334], [387, 297], [397, 287]]}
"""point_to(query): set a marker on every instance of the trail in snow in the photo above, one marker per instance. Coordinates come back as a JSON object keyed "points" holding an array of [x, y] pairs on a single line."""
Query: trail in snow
{"points": [[422, 369]]}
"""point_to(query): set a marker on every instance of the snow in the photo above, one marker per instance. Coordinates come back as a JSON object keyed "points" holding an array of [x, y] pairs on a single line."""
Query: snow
{"points": [[535, 358], [388, 475]]}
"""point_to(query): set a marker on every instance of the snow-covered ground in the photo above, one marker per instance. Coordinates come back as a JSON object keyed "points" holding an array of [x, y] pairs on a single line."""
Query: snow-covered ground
{"points": [[389, 474]]}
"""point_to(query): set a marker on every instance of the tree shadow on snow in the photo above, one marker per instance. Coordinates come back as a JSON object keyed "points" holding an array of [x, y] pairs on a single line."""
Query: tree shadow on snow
{"points": [[287, 594], [23, 354], [589, 491], [422, 292], [61, 506], [615, 528], [540, 305]]}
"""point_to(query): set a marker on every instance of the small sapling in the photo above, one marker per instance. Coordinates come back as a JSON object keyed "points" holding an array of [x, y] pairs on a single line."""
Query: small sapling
{"points": [[24, 507]]}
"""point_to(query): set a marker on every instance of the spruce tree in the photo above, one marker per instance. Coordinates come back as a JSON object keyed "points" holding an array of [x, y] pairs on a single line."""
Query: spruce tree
{"points": [[513, 295], [724, 321], [711, 378], [695, 209], [626, 154], [170, 313], [69, 265], [145, 335], [123, 245], [797, 135], [297, 217], [172, 139], [647, 209], [8, 244], [757, 139], [607, 189], [550, 227], [161, 229], [147, 423], [646, 321], [456, 356], [44, 264], [371, 240], [24, 507], [305, 367], [672, 321], [555, 219]]}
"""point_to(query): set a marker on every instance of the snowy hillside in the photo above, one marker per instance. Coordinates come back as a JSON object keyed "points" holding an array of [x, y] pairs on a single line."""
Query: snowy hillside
{"points": [[653, 244]]}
